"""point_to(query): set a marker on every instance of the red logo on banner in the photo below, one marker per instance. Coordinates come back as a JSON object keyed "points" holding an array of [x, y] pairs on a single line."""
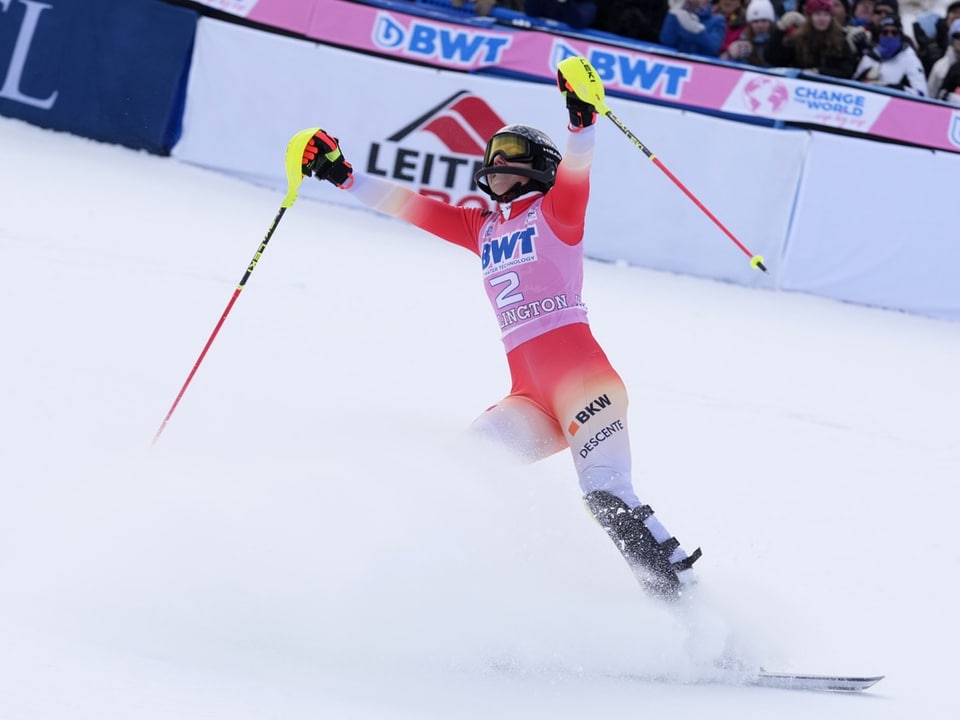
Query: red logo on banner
{"points": [[462, 122]]}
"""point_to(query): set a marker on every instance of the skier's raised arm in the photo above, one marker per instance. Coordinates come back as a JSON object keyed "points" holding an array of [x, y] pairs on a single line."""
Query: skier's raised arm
{"points": [[323, 159]]}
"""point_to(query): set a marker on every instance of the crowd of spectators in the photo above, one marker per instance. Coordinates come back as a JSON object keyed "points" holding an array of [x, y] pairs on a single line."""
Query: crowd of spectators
{"points": [[861, 40]]}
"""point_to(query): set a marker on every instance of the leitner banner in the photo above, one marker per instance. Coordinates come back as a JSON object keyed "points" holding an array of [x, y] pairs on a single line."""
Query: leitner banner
{"points": [[667, 78]]}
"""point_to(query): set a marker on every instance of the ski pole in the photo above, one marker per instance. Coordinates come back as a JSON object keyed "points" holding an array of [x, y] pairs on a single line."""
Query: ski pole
{"points": [[294, 155], [585, 82]]}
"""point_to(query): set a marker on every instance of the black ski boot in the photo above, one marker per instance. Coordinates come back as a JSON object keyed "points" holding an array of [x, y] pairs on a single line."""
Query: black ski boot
{"points": [[649, 560]]}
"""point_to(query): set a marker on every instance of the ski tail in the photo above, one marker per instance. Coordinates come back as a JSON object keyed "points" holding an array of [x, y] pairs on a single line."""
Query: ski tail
{"points": [[826, 683]]}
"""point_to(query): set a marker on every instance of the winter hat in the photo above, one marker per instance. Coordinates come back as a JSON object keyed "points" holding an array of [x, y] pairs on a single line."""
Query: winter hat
{"points": [[813, 6], [760, 10], [890, 20]]}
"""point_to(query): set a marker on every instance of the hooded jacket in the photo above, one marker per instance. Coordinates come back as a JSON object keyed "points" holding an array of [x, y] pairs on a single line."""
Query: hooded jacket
{"points": [[705, 41], [903, 71]]}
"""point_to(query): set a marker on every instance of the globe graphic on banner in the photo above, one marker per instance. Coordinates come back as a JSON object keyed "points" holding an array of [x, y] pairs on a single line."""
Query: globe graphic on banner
{"points": [[765, 95]]}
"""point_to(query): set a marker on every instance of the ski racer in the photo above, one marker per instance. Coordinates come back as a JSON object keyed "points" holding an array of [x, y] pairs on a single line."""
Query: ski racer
{"points": [[565, 393]]}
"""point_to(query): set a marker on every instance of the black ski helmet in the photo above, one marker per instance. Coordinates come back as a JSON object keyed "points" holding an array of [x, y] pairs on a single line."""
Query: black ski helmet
{"points": [[520, 143]]}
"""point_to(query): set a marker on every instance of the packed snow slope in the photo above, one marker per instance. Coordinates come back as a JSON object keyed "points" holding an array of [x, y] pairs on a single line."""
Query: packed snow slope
{"points": [[312, 538]]}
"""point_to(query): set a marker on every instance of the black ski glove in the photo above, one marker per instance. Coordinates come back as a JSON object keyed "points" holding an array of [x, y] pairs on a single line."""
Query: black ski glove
{"points": [[323, 159], [582, 114]]}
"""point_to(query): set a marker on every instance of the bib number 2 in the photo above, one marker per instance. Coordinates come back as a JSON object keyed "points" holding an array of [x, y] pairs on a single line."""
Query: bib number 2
{"points": [[510, 293]]}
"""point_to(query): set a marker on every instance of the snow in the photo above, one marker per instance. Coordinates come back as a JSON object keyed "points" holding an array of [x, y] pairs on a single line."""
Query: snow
{"points": [[310, 537]]}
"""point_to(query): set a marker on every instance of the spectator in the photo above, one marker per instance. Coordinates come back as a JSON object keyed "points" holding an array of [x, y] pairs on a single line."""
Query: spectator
{"points": [[938, 73], [950, 90], [578, 14], [856, 25], [856, 33], [893, 62], [751, 46], [483, 7], [733, 14], [638, 19], [884, 8], [862, 13], [841, 11], [932, 34], [692, 27], [814, 42]]}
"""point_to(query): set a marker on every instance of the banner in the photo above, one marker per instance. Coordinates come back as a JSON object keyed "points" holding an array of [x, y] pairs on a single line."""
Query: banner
{"points": [[663, 77], [431, 140], [112, 70], [813, 204]]}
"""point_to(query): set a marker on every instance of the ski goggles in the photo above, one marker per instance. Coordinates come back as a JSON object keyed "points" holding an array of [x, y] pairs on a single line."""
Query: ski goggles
{"points": [[514, 148]]}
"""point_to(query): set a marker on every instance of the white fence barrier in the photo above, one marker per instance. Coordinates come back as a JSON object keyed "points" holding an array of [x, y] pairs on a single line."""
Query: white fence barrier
{"points": [[840, 217]]}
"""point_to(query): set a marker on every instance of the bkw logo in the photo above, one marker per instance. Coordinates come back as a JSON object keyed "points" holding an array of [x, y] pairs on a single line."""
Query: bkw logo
{"points": [[588, 412]]}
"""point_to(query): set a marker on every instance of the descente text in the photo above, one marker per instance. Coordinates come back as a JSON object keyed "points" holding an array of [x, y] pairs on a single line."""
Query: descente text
{"points": [[604, 434]]}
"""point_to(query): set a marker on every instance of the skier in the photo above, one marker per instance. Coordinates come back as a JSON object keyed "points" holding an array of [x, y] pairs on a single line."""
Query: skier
{"points": [[565, 392]]}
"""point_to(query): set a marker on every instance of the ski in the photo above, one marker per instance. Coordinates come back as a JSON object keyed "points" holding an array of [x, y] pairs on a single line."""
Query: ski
{"points": [[764, 679], [824, 683]]}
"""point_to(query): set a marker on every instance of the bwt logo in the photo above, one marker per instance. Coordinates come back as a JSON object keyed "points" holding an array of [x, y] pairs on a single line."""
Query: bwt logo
{"points": [[645, 75], [588, 412], [21, 49], [429, 40], [499, 250], [955, 130], [461, 124]]}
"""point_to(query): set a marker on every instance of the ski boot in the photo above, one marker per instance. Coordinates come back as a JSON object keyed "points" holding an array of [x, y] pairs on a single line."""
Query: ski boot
{"points": [[661, 567]]}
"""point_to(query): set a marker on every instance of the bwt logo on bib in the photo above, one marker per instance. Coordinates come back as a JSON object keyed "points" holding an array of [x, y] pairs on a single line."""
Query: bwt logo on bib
{"points": [[506, 250]]}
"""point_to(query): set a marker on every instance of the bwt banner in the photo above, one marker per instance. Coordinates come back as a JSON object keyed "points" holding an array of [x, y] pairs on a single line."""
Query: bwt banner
{"points": [[664, 78], [112, 70]]}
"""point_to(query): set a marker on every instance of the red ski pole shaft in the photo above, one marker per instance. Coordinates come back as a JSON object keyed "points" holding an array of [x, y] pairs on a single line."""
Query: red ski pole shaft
{"points": [[755, 260], [581, 78], [293, 164], [223, 317]]}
